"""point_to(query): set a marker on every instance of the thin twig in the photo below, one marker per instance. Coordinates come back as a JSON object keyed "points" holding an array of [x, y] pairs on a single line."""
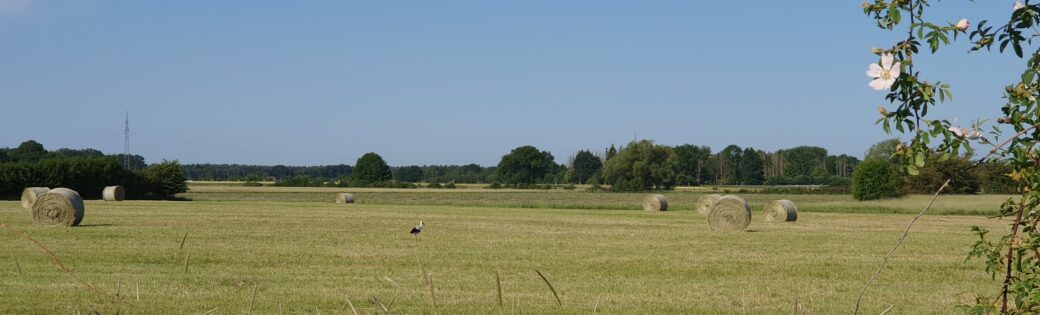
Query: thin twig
{"points": [[557, 296], [211, 311], [900, 242], [1010, 257], [138, 288], [889, 309], [119, 287]]}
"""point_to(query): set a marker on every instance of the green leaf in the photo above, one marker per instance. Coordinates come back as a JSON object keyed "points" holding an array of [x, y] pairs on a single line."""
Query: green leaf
{"points": [[912, 170], [944, 157], [1027, 78]]}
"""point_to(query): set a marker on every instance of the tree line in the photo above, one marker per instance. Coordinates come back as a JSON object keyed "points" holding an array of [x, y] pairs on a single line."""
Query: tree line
{"points": [[86, 171]]}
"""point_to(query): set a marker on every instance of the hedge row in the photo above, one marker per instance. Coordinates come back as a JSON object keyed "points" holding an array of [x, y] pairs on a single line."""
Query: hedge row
{"points": [[89, 175]]}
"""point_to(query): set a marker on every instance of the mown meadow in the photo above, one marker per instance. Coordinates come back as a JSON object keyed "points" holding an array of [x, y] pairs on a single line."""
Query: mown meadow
{"points": [[303, 254]]}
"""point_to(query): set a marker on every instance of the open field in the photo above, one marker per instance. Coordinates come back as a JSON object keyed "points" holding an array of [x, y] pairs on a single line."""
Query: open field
{"points": [[307, 257], [562, 199]]}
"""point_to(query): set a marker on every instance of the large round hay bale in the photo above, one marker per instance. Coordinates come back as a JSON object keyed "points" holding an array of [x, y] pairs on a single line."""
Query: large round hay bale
{"points": [[705, 202], [730, 213], [781, 211], [59, 206], [113, 193], [30, 194], [345, 198], [655, 202]]}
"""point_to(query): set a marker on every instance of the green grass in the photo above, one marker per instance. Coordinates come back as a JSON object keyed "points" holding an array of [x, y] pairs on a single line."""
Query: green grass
{"points": [[303, 256]]}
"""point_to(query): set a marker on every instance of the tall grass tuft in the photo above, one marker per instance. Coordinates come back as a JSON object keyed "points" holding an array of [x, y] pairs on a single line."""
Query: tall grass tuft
{"points": [[429, 287], [183, 239], [187, 258], [18, 266], [498, 285], [551, 288], [252, 301], [352, 309]]}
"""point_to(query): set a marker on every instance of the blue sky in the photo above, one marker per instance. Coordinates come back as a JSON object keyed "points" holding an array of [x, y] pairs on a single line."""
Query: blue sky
{"points": [[452, 82]]}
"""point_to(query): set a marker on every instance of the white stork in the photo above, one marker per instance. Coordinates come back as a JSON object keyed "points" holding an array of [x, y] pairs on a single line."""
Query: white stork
{"points": [[418, 229]]}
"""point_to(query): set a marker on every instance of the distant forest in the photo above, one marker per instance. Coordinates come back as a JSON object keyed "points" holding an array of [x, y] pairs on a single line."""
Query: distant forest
{"points": [[470, 173]]}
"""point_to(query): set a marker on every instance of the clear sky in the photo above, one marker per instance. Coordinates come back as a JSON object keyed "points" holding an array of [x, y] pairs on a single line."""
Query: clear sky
{"points": [[452, 82]]}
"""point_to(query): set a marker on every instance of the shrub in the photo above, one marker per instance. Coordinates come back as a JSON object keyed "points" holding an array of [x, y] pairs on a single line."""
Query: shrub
{"points": [[803, 180], [779, 180], [993, 178], [165, 179], [932, 176], [875, 179]]}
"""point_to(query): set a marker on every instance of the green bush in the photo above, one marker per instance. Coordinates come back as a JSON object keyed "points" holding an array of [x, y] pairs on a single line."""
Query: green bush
{"points": [[963, 179], [875, 179], [300, 181], [838, 181], [779, 180], [165, 179], [994, 179]]}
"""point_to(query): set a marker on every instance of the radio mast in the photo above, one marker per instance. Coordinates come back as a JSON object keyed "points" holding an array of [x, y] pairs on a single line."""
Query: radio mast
{"points": [[126, 143]]}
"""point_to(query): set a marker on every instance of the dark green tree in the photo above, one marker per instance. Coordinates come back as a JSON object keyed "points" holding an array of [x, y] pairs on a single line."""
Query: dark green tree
{"points": [[692, 164], [28, 151], [876, 179], [611, 152], [409, 174], [640, 166], [884, 150], [136, 161], [370, 169], [525, 165], [802, 160], [586, 165], [750, 170], [728, 163]]}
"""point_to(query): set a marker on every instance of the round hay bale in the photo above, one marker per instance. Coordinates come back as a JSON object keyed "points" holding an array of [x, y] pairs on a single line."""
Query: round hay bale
{"points": [[58, 207], [655, 202], [730, 213], [113, 193], [705, 202], [345, 198], [781, 211], [30, 194]]}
